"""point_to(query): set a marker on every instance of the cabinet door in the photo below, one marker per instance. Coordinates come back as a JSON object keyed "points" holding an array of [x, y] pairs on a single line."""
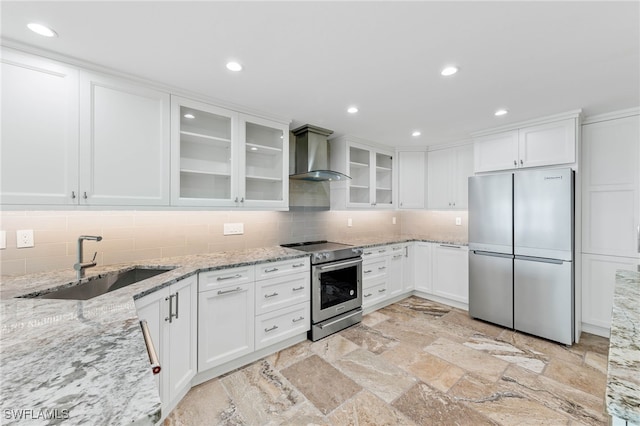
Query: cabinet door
{"points": [[439, 184], [463, 169], [39, 141], [422, 267], [547, 144], [408, 268], [183, 335], [204, 154], [153, 309], [383, 183], [264, 158], [394, 271], [225, 324], [496, 152], [611, 187], [451, 272], [360, 169], [124, 143], [411, 179]]}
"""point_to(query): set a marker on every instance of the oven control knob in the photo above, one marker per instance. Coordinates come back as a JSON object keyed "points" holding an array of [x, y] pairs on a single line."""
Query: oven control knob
{"points": [[325, 255], [357, 251], [317, 256]]}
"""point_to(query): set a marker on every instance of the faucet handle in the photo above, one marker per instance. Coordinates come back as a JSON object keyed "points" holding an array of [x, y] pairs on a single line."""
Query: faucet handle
{"points": [[94, 257]]}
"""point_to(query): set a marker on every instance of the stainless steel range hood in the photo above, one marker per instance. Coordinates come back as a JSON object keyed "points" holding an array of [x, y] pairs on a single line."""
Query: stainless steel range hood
{"points": [[312, 155]]}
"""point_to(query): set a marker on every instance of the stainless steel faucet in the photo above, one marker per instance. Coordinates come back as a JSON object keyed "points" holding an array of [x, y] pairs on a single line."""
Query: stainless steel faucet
{"points": [[80, 266]]}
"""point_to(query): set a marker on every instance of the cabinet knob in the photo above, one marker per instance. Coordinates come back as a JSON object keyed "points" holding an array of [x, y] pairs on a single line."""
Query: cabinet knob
{"points": [[73, 195], [84, 195], [515, 163], [521, 163]]}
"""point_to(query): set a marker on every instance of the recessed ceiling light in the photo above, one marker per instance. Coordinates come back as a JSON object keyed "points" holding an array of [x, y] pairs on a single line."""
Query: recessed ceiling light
{"points": [[416, 133], [500, 112], [42, 30], [352, 110], [234, 66], [253, 148], [189, 116], [451, 70]]}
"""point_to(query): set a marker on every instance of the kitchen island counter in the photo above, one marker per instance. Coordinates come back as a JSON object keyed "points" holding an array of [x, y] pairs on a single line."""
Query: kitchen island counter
{"points": [[623, 374]]}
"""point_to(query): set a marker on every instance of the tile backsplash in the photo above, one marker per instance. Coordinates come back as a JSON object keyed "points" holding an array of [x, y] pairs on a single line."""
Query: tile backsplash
{"points": [[130, 236]]}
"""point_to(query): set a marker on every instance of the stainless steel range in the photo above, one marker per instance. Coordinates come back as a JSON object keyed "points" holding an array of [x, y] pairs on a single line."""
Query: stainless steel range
{"points": [[336, 286]]}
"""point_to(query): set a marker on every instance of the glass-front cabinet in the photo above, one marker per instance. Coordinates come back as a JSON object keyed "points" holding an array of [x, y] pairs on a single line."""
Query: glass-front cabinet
{"points": [[371, 172], [221, 158]]}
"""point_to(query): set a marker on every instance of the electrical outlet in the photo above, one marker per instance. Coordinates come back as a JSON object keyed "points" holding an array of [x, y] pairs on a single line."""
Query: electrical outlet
{"points": [[393, 220], [3, 240], [24, 238], [349, 222], [233, 228], [458, 221]]}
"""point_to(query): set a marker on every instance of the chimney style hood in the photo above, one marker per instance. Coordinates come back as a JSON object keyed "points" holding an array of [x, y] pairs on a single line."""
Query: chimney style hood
{"points": [[312, 155]]}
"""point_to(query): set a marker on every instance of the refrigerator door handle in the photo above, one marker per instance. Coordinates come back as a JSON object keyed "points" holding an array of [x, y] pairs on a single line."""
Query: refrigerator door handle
{"points": [[540, 259], [492, 254]]}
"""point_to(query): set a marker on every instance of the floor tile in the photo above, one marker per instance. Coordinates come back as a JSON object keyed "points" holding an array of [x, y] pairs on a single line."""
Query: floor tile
{"points": [[468, 359], [579, 376], [427, 406], [321, 383], [333, 348], [436, 372], [534, 361], [365, 409], [375, 374], [369, 338]]}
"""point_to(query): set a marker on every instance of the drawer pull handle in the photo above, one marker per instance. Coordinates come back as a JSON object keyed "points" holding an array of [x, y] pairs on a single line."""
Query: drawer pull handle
{"points": [[266, 330], [270, 270], [368, 295], [229, 291], [382, 290], [266, 296], [398, 256], [297, 319], [381, 268], [397, 248], [367, 253], [368, 271], [382, 251], [450, 246], [299, 265], [229, 278], [298, 288]]}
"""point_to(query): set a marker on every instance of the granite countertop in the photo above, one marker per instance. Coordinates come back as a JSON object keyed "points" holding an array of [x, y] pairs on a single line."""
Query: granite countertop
{"points": [[623, 375], [86, 361]]}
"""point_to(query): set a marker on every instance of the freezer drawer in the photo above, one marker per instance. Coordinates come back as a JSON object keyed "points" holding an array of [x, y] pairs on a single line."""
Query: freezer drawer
{"points": [[491, 287], [543, 298]]}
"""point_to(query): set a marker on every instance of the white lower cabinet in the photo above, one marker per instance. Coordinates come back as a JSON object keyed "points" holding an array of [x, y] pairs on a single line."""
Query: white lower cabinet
{"points": [[450, 272], [279, 325], [171, 314], [422, 267], [395, 268], [225, 315], [225, 324]]}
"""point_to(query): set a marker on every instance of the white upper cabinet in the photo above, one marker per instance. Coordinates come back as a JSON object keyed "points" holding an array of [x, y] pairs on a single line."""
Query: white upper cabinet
{"points": [[124, 143], [204, 157], [39, 141], [221, 158], [448, 172], [371, 172], [412, 169], [265, 163], [611, 187], [544, 144]]}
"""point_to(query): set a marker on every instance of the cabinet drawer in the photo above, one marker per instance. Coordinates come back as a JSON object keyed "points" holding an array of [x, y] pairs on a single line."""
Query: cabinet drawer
{"points": [[283, 267], [375, 252], [373, 268], [374, 293], [281, 292], [279, 325], [225, 277]]}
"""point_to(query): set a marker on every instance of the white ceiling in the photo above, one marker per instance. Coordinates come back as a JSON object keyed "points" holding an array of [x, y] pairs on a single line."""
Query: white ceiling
{"points": [[309, 61]]}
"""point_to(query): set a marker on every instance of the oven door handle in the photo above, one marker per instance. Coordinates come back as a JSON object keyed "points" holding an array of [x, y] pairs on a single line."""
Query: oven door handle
{"points": [[340, 265], [328, 324]]}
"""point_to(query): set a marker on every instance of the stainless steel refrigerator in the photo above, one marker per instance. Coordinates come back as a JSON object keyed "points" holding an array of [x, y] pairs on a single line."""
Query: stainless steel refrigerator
{"points": [[521, 273]]}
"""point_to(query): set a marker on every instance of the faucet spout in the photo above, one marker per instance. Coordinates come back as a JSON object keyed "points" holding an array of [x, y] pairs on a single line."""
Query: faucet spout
{"points": [[80, 266]]}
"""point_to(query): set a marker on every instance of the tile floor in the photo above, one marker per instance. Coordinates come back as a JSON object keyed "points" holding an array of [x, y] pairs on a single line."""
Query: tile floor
{"points": [[415, 362]]}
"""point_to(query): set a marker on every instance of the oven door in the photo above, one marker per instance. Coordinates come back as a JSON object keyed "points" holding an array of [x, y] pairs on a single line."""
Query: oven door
{"points": [[336, 288]]}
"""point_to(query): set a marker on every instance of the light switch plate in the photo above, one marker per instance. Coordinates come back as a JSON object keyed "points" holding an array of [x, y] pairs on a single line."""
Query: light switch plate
{"points": [[233, 228], [24, 238], [393, 220], [3, 240], [458, 221], [349, 222]]}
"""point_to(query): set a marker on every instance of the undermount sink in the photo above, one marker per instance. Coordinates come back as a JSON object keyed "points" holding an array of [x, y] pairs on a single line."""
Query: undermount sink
{"points": [[100, 285]]}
